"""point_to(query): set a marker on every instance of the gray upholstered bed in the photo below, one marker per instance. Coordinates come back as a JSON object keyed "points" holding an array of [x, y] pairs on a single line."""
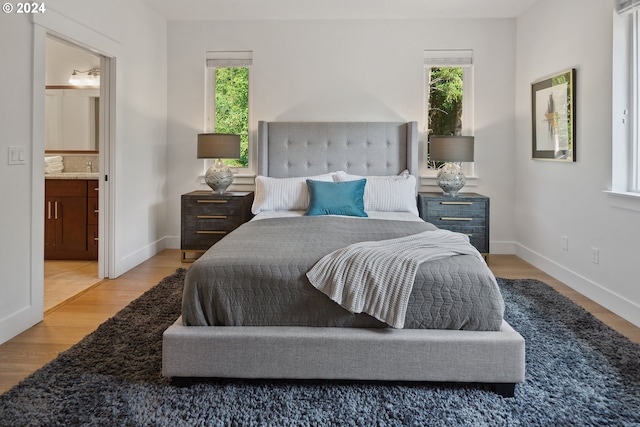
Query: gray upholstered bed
{"points": [[310, 352]]}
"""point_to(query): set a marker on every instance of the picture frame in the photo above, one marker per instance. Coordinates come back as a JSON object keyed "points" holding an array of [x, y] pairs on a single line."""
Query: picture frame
{"points": [[553, 117]]}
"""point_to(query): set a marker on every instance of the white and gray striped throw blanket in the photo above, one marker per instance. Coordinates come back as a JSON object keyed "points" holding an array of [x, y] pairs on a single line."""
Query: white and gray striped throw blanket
{"points": [[377, 277]]}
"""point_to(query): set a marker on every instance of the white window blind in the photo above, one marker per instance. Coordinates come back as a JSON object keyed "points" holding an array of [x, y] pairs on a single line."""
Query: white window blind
{"points": [[450, 58], [229, 59], [625, 6]]}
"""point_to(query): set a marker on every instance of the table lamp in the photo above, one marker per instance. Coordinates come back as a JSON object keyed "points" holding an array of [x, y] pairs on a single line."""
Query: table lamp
{"points": [[218, 146], [453, 150]]}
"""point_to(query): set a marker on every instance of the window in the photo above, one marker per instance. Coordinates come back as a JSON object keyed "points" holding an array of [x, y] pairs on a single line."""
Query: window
{"points": [[227, 99], [626, 98], [635, 121], [448, 100]]}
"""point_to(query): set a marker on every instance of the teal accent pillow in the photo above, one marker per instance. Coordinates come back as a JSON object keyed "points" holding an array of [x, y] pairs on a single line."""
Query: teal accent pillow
{"points": [[336, 198]]}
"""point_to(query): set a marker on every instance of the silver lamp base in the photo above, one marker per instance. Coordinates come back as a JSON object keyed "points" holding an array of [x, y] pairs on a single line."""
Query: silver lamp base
{"points": [[219, 177], [451, 179]]}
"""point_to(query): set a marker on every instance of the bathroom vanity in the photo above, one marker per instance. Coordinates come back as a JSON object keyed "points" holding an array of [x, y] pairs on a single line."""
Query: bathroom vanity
{"points": [[71, 216]]}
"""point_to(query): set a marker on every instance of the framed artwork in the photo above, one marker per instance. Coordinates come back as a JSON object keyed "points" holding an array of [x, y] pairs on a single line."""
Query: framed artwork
{"points": [[553, 117]]}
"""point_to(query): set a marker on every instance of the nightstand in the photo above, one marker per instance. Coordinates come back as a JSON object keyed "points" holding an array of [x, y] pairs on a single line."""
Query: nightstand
{"points": [[207, 217], [467, 213]]}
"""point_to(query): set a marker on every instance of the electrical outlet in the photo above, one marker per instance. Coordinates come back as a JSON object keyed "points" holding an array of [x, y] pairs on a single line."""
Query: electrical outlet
{"points": [[595, 255], [565, 243]]}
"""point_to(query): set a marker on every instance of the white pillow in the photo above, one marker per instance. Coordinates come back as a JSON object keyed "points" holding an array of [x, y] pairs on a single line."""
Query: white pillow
{"points": [[394, 193], [283, 194]]}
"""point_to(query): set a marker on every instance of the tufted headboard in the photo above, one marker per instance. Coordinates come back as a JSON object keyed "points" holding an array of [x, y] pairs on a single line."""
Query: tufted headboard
{"points": [[288, 149]]}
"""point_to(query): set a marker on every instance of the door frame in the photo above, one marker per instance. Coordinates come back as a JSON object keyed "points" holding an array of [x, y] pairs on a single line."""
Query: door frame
{"points": [[61, 27]]}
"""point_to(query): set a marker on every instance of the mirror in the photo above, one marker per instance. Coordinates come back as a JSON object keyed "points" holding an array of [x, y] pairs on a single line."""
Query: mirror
{"points": [[71, 119]]}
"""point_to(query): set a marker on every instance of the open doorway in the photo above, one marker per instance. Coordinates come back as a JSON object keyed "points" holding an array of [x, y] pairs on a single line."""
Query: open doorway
{"points": [[75, 148]]}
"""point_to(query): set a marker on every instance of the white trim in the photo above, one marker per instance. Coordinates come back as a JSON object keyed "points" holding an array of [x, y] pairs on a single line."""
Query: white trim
{"points": [[635, 121], [625, 104], [36, 238], [141, 255], [106, 190], [627, 6], [624, 200], [69, 30]]}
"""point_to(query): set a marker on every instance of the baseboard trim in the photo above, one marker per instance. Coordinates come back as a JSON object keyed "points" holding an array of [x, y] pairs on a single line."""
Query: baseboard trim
{"points": [[136, 258], [502, 248], [18, 322], [172, 242], [613, 302]]}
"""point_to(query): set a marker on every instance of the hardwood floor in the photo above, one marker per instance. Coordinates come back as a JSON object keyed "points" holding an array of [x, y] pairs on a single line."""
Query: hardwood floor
{"points": [[65, 279], [71, 321]]}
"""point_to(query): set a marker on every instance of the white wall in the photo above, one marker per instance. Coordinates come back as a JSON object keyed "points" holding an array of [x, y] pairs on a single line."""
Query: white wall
{"points": [[558, 199], [15, 181], [347, 70], [136, 35]]}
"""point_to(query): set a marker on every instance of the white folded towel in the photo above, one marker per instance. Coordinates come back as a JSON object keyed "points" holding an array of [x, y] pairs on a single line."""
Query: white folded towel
{"points": [[53, 167], [53, 159]]}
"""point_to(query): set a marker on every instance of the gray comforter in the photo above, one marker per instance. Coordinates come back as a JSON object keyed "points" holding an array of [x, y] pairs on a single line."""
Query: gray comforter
{"points": [[256, 276]]}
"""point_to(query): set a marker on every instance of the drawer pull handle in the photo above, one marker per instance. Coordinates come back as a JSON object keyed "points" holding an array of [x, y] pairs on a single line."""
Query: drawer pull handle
{"points": [[448, 218], [211, 217], [210, 232], [456, 203], [213, 201]]}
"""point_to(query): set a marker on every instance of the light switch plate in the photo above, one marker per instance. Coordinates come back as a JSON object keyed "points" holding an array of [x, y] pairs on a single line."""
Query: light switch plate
{"points": [[17, 156]]}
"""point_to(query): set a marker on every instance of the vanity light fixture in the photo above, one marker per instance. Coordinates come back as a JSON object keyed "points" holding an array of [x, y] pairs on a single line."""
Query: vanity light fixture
{"points": [[85, 78]]}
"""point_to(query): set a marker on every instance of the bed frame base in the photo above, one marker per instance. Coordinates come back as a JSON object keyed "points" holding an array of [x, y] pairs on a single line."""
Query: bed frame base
{"points": [[280, 352], [502, 389]]}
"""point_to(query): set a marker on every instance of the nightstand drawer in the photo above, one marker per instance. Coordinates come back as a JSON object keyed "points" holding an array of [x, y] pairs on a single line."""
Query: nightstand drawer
{"points": [[477, 235], [467, 214], [212, 222], [198, 206], [456, 221], [201, 239], [462, 209]]}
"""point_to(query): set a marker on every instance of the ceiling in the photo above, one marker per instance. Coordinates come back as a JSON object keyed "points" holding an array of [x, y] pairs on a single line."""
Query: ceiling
{"points": [[202, 10]]}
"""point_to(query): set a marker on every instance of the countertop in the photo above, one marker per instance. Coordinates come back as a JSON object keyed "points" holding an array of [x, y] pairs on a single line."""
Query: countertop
{"points": [[72, 175]]}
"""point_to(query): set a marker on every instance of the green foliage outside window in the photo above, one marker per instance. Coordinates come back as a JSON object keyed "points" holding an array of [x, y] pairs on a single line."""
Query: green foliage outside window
{"points": [[445, 101], [232, 109], [444, 85]]}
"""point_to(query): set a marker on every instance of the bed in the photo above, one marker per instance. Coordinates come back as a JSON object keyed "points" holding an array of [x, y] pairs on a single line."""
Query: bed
{"points": [[308, 335]]}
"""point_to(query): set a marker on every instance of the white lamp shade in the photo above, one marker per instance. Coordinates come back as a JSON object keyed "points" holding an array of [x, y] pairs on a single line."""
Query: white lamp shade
{"points": [[451, 148], [218, 146]]}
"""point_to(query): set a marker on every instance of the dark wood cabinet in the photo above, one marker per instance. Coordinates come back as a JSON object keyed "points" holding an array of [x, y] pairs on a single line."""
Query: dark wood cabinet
{"points": [[68, 234], [92, 218], [207, 217], [467, 213]]}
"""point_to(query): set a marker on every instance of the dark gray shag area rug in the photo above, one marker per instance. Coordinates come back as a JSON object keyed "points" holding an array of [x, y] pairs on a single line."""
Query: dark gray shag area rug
{"points": [[579, 373]]}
